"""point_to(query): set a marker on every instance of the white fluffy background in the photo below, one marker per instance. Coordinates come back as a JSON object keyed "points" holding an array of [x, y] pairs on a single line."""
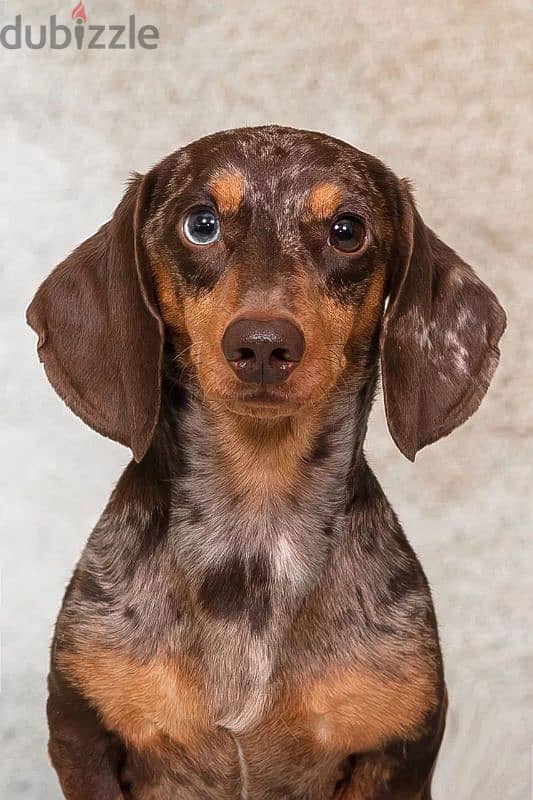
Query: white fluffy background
{"points": [[441, 92]]}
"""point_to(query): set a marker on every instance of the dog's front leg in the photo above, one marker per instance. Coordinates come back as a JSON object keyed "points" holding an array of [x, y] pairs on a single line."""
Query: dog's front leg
{"points": [[403, 771], [85, 756]]}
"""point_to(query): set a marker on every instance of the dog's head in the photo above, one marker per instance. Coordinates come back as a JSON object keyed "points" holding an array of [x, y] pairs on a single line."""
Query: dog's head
{"points": [[266, 257]]}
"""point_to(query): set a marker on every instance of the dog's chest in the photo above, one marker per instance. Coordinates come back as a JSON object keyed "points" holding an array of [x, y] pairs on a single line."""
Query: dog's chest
{"points": [[222, 664], [216, 626], [247, 571], [248, 580], [224, 668], [236, 713]]}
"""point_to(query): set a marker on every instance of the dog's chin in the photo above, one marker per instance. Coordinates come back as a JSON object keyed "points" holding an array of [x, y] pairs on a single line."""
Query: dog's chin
{"points": [[262, 404], [261, 412]]}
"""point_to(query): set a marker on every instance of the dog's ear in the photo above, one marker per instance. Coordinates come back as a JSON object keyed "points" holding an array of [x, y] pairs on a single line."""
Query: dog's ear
{"points": [[439, 338], [100, 334]]}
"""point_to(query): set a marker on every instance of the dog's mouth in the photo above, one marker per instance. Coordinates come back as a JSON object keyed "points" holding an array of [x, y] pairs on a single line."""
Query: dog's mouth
{"points": [[263, 401], [263, 396]]}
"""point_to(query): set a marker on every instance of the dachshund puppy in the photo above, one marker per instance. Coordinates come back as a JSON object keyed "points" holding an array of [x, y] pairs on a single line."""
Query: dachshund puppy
{"points": [[247, 619]]}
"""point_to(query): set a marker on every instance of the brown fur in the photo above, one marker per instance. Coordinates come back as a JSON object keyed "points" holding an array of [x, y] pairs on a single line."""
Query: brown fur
{"points": [[248, 620]]}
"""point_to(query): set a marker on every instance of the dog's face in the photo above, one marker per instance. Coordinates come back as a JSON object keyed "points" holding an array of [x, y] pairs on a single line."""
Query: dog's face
{"points": [[265, 257], [269, 252]]}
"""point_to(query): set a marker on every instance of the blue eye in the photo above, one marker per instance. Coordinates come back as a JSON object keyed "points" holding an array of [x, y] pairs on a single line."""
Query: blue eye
{"points": [[201, 226]]}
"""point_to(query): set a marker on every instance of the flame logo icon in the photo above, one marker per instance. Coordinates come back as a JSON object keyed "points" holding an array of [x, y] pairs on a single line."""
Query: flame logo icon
{"points": [[78, 12]]}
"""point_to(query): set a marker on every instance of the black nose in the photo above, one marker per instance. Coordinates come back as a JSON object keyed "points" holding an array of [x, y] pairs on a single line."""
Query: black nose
{"points": [[263, 351]]}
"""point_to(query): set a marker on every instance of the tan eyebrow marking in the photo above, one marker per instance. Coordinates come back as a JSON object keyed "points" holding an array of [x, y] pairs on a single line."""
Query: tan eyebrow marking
{"points": [[323, 199], [228, 190]]}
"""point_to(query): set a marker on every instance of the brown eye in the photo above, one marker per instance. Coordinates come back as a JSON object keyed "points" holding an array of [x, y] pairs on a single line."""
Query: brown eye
{"points": [[347, 234]]}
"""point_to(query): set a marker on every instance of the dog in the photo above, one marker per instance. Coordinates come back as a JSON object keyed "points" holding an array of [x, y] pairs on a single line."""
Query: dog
{"points": [[247, 619]]}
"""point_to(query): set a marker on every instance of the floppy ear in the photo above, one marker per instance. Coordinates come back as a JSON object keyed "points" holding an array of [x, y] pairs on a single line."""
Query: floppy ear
{"points": [[439, 338], [100, 334]]}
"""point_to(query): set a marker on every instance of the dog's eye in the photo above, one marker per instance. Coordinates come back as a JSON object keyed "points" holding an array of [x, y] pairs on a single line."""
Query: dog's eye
{"points": [[347, 233], [201, 226]]}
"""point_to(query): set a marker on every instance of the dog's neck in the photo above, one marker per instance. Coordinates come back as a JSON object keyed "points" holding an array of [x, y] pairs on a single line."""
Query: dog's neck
{"points": [[243, 484], [257, 463]]}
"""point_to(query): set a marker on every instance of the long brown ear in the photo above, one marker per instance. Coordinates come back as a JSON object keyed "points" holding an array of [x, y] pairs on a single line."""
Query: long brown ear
{"points": [[439, 339], [100, 335]]}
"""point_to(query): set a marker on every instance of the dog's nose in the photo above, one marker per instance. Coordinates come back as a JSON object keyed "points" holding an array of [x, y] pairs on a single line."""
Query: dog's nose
{"points": [[263, 351]]}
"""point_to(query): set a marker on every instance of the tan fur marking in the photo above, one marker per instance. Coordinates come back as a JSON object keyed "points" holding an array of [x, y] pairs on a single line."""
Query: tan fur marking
{"points": [[361, 709], [205, 319], [144, 703], [324, 199], [228, 190], [367, 316], [169, 306], [327, 326], [264, 456]]}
